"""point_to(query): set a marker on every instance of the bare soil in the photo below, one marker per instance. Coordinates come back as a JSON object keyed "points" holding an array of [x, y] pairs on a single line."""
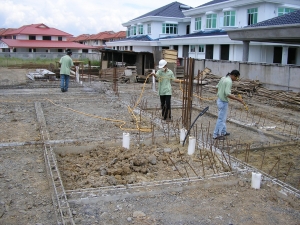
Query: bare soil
{"points": [[155, 181]]}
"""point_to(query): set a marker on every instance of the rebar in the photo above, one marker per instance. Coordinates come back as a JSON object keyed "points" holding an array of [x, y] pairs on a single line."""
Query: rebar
{"points": [[175, 167], [187, 95], [263, 158], [273, 167]]}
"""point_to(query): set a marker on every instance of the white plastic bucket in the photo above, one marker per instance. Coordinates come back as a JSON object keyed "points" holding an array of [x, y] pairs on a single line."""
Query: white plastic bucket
{"points": [[183, 132], [256, 178], [126, 140], [192, 144]]}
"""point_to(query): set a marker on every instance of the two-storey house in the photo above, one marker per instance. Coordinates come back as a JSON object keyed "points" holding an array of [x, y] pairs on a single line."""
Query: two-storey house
{"points": [[39, 38], [201, 32]]}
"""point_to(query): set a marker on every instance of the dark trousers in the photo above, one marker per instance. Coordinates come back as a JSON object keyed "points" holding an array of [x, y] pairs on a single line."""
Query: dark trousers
{"points": [[165, 103]]}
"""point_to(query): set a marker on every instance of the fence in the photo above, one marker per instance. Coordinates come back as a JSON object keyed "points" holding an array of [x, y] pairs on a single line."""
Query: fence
{"points": [[273, 76], [50, 55]]}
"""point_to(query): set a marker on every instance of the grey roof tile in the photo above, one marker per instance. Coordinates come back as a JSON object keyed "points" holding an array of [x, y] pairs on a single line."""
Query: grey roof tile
{"points": [[137, 38], [290, 18], [199, 34], [171, 10], [212, 3]]}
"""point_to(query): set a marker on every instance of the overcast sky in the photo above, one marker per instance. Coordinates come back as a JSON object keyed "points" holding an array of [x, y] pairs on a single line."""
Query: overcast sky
{"points": [[79, 16]]}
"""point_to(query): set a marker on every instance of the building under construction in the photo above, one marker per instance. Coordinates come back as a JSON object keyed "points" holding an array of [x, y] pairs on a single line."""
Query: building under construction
{"points": [[101, 154]]}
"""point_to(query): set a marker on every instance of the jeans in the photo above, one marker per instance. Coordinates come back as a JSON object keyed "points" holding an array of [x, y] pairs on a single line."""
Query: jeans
{"points": [[165, 103], [64, 81], [220, 128]]}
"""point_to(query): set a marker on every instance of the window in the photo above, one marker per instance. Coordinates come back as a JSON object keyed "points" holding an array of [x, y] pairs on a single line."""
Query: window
{"points": [[128, 32], [252, 16], [201, 48], [282, 11], [31, 37], [193, 48], [96, 42], [211, 21], [133, 30], [60, 38], [229, 19], [169, 28], [140, 29], [149, 28], [47, 38], [198, 23]]}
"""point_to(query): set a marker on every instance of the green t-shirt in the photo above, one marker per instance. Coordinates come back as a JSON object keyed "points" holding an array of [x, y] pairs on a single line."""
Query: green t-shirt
{"points": [[164, 81], [66, 64], [224, 88]]}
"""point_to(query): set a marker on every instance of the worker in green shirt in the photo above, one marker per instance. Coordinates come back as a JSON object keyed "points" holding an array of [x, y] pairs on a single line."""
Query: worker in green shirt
{"points": [[66, 63], [224, 92], [165, 76]]}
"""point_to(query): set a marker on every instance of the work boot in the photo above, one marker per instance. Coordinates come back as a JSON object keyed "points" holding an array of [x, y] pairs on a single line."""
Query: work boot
{"points": [[219, 138]]}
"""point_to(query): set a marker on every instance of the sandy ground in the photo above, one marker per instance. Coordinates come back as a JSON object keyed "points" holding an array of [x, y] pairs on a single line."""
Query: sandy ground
{"points": [[155, 181]]}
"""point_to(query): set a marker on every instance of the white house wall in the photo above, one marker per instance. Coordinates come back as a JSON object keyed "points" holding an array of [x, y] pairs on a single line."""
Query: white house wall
{"points": [[22, 37], [156, 30], [254, 53], [142, 49]]}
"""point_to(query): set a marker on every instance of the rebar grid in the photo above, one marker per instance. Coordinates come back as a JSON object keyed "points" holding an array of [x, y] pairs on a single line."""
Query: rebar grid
{"points": [[59, 199], [98, 192]]}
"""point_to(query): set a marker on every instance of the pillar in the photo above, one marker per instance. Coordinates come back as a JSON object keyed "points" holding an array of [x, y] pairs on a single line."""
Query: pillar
{"points": [[217, 52], [285, 53], [246, 51]]}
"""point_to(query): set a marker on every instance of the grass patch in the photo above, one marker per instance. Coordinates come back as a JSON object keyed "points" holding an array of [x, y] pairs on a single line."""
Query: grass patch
{"points": [[29, 63]]}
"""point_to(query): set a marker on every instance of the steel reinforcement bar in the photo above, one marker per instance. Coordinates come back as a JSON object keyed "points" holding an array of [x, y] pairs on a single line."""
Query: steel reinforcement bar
{"points": [[59, 197]]}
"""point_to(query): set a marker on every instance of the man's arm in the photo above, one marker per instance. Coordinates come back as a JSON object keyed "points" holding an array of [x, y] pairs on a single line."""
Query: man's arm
{"points": [[231, 96]]}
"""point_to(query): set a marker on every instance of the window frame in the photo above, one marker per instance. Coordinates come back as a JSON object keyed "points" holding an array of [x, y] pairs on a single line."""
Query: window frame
{"points": [[132, 30], [149, 28], [284, 10], [229, 19], [169, 28], [140, 29], [252, 15], [193, 48], [47, 38], [211, 21], [198, 21], [201, 48]]}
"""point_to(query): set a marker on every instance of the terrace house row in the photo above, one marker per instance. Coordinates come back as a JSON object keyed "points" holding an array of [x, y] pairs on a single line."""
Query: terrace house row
{"points": [[38, 38], [98, 40], [201, 32]]}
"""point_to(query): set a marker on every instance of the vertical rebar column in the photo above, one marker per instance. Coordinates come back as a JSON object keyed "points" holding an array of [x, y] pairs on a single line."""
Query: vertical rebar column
{"points": [[115, 81], [187, 96]]}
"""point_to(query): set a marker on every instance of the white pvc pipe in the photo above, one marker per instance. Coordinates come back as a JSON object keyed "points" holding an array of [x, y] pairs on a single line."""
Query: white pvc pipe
{"points": [[183, 132], [77, 74], [126, 140], [255, 182], [192, 144], [153, 81]]}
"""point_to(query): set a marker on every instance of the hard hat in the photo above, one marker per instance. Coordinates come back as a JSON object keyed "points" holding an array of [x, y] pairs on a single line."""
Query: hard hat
{"points": [[162, 63]]}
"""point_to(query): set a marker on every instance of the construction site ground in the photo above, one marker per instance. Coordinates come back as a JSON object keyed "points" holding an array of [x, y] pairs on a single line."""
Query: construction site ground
{"points": [[48, 137]]}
